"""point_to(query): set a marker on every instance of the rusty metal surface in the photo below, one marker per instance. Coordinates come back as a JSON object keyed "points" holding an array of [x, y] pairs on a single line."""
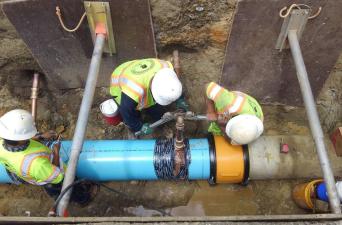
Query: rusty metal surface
{"points": [[254, 66], [64, 57]]}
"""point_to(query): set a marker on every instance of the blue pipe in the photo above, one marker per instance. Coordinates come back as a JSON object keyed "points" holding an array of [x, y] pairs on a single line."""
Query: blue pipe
{"points": [[4, 178], [119, 160]]}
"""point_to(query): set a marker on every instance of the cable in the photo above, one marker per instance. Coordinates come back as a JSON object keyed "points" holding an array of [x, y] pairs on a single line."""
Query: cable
{"points": [[59, 15], [298, 6], [54, 207]]}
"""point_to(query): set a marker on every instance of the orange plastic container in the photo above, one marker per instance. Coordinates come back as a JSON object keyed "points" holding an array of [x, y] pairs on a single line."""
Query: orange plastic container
{"points": [[302, 194]]}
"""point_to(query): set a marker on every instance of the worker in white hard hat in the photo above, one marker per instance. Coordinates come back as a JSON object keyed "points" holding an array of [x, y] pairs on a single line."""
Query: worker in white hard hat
{"points": [[145, 84], [27, 160], [237, 115]]}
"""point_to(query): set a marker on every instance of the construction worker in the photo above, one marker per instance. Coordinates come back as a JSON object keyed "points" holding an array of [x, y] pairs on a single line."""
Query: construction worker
{"points": [[237, 115], [145, 84], [27, 160]]}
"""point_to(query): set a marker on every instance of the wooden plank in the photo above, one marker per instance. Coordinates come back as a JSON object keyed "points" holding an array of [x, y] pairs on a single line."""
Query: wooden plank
{"points": [[64, 57], [223, 219], [253, 65]]}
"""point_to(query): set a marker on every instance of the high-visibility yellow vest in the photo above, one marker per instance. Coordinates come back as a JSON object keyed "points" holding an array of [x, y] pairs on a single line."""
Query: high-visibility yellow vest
{"points": [[32, 164], [134, 79], [233, 102]]}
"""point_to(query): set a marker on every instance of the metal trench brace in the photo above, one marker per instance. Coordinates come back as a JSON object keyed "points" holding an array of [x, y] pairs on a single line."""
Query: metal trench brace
{"points": [[98, 14], [291, 31]]}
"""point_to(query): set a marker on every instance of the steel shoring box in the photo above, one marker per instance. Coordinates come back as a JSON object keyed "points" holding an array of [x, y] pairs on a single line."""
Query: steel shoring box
{"points": [[64, 57], [254, 66]]}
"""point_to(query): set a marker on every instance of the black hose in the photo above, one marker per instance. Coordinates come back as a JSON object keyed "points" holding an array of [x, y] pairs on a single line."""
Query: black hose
{"points": [[54, 207]]}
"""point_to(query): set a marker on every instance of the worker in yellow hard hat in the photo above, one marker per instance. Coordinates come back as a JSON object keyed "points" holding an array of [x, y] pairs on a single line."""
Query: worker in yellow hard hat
{"points": [[145, 84], [27, 160], [236, 114]]}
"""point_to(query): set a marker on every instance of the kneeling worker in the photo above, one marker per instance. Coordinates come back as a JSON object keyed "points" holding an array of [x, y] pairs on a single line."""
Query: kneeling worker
{"points": [[238, 115], [145, 84], [28, 161]]}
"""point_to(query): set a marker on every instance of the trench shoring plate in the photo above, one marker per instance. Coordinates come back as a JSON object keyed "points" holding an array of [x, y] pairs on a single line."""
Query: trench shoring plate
{"points": [[64, 57], [253, 65]]}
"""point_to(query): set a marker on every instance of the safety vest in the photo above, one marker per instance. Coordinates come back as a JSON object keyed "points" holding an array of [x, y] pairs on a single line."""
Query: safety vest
{"points": [[134, 79], [233, 102], [31, 165]]}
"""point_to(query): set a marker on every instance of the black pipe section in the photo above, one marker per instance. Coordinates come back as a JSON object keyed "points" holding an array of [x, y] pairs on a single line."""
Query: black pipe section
{"points": [[164, 162]]}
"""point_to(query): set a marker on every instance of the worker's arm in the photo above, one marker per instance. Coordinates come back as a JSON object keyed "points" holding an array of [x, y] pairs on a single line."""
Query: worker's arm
{"points": [[47, 171], [48, 135], [211, 112], [129, 114], [56, 148]]}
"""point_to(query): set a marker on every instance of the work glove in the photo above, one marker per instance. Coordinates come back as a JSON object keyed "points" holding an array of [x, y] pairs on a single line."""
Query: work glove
{"points": [[215, 129], [181, 104], [146, 129]]}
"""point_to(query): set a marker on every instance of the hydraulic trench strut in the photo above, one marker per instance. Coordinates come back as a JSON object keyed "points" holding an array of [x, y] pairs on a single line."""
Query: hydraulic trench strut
{"points": [[99, 20], [291, 31]]}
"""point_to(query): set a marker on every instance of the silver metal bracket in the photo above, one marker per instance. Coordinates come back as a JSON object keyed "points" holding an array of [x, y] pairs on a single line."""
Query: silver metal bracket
{"points": [[99, 12], [295, 21]]}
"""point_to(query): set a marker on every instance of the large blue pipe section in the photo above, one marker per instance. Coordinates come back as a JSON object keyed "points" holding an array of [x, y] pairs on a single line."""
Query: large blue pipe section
{"points": [[120, 160]]}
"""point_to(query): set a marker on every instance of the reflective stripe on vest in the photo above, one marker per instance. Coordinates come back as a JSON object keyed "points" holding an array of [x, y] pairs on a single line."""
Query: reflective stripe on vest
{"points": [[55, 173], [124, 80], [26, 167], [236, 105], [215, 91], [132, 86], [27, 162]]}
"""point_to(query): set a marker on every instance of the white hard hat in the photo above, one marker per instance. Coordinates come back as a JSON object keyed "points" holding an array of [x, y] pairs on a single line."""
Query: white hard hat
{"points": [[17, 125], [166, 87], [243, 129]]}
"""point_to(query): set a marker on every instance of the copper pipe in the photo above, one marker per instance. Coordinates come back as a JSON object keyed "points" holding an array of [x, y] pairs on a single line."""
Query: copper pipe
{"points": [[176, 63], [179, 146], [34, 94]]}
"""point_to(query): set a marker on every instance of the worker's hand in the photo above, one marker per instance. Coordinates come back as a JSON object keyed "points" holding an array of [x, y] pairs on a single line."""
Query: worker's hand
{"points": [[212, 116], [146, 129], [181, 104]]}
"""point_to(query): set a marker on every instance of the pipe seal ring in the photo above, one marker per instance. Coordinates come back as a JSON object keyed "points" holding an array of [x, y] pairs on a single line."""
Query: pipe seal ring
{"points": [[245, 179], [212, 157]]}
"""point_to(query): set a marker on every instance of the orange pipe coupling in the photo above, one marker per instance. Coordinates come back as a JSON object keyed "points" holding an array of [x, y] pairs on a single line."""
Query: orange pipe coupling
{"points": [[232, 162]]}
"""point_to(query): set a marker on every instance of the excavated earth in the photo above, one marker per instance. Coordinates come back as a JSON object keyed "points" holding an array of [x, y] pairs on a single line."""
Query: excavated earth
{"points": [[199, 30]]}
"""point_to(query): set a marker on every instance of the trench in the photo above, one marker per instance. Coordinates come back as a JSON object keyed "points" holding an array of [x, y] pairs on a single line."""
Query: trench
{"points": [[201, 38]]}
